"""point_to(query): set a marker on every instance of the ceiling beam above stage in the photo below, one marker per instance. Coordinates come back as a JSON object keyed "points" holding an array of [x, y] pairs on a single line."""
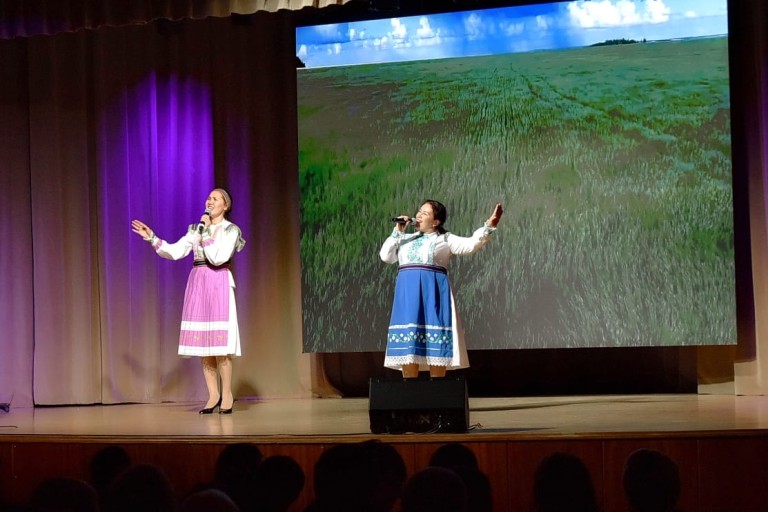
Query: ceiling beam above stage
{"points": [[24, 18]]}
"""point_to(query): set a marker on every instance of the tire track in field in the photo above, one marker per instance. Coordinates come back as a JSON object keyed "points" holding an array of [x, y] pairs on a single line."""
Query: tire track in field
{"points": [[538, 87]]}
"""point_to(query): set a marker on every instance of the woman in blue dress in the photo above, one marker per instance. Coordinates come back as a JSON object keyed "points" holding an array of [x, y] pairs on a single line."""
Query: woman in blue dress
{"points": [[424, 330]]}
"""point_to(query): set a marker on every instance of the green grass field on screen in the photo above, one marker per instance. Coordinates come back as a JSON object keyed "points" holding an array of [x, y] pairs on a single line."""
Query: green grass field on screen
{"points": [[613, 164]]}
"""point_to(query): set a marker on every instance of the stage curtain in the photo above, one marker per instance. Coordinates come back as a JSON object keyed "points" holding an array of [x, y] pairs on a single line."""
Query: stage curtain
{"points": [[16, 297], [751, 93], [22, 18], [743, 370], [101, 127]]}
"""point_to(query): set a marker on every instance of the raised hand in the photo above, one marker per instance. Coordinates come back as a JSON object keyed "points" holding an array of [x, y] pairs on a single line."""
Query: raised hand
{"points": [[141, 229], [495, 217]]}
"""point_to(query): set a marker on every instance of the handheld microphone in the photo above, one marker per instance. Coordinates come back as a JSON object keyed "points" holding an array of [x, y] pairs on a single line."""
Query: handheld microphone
{"points": [[401, 220], [201, 225]]}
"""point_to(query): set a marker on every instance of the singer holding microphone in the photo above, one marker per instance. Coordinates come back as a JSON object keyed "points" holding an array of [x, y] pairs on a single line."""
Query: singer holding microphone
{"points": [[424, 329], [209, 328]]}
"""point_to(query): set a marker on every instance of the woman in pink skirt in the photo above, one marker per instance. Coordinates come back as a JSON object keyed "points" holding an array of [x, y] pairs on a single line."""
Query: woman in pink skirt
{"points": [[209, 317]]}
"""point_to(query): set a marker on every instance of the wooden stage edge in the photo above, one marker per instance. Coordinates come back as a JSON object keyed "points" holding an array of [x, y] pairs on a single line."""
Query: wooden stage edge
{"points": [[338, 420], [719, 442]]}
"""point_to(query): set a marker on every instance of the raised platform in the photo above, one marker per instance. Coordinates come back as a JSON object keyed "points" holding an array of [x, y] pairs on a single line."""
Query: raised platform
{"points": [[720, 443]]}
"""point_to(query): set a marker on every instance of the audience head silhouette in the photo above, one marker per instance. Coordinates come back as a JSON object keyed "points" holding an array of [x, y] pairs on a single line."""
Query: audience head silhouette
{"points": [[279, 481], [434, 489], [362, 476], [105, 466], [453, 454], [462, 461], [562, 482], [237, 461], [64, 495], [651, 482], [143, 487], [479, 493], [235, 472], [208, 500]]}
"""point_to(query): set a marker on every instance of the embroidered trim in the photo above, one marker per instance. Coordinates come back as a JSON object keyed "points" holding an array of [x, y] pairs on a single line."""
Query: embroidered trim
{"points": [[240, 240], [422, 326], [425, 360]]}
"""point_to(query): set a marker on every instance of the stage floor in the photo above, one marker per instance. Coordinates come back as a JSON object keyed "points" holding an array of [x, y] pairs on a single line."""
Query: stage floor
{"points": [[335, 419]]}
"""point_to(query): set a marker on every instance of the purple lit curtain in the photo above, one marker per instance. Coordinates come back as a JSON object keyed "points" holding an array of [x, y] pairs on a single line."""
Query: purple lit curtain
{"points": [[98, 128]]}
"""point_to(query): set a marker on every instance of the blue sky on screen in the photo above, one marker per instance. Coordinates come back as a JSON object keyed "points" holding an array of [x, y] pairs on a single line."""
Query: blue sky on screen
{"points": [[508, 30]]}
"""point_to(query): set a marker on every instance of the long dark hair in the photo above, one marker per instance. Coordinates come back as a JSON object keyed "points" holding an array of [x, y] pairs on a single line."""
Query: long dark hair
{"points": [[439, 212]]}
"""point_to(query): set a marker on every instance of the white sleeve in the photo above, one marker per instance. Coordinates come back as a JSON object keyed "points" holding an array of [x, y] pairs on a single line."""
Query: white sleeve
{"points": [[460, 245], [175, 251], [388, 252]]}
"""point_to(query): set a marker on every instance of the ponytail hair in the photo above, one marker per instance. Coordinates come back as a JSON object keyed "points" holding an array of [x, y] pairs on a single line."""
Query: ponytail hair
{"points": [[439, 212]]}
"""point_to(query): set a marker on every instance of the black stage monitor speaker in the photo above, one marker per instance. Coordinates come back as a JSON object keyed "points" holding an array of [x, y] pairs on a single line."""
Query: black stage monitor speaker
{"points": [[397, 406]]}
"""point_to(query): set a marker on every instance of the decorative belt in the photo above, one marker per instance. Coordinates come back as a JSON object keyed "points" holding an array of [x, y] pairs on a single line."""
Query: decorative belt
{"points": [[201, 263], [421, 266]]}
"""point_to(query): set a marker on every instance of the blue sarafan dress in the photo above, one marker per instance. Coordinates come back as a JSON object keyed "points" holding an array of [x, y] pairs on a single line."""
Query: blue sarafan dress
{"points": [[424, 327]]}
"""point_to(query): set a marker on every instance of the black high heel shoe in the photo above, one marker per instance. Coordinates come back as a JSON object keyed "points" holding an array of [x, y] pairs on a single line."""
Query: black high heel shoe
{"points": [[209, 410], [227, 411]]}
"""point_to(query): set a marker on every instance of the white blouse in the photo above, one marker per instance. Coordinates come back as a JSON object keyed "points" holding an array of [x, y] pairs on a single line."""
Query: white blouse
{"points": [[216, 245], [432, 248]]}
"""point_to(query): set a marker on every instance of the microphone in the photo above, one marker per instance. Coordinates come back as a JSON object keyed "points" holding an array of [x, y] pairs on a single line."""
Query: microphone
{"points": [[201, 225], [401, 220]]}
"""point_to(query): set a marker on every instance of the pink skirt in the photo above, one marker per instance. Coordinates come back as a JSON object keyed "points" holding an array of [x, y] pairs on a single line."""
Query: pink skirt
{"points": [[209, 317]]}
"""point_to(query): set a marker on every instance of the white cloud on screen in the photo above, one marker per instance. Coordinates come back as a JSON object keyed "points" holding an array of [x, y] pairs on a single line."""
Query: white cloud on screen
{"points": [[473, 25], [426, 35], [658, 12], [512, 29], [607, 13], [399, 31], [329, 31], [425, 30]]}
